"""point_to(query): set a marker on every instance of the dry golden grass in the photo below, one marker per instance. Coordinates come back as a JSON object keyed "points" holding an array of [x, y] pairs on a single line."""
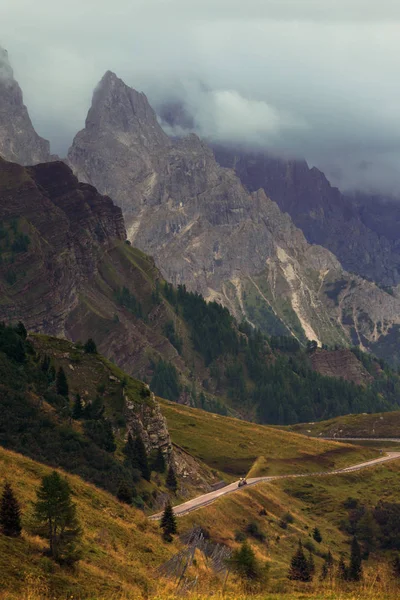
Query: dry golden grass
{"points": [[121, 547]]}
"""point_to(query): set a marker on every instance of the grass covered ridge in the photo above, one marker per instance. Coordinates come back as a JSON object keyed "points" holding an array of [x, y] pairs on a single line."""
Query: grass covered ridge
{"points": [[235, 447]]}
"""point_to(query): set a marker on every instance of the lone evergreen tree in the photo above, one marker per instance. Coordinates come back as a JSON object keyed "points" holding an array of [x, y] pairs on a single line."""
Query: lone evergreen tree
{"points": [[90, 347], [159, 462], [56, 513], [62, 383], [317, 535], [171, 481], [124, 493], [300, 569], [77, 410], [10, 513], [355, 568], [168, 522], [245, 564]]}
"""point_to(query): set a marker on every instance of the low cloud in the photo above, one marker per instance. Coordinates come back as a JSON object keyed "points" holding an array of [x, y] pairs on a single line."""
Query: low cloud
{"points": [[306, 78]]}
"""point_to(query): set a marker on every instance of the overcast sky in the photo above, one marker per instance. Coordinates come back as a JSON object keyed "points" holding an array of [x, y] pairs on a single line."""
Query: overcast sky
{"points": [[312, 78]]}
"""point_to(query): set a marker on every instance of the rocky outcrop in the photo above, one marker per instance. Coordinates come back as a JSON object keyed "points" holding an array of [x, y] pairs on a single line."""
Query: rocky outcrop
{"points": [[19, 142], [204, 229], [148, 422], [340, 363]]}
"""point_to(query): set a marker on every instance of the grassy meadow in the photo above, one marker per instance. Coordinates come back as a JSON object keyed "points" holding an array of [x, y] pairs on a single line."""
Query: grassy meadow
{"points": [[236, 448]]}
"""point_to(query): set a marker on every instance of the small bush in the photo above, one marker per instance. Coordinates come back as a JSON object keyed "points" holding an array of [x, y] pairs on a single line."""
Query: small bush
{"points": [[254, 531], [289, 518], [308, 545], [240, 536], [350, 503]]}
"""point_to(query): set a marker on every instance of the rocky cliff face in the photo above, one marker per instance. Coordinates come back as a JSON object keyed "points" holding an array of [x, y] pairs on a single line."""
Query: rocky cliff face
{"points": [[53, 231], [150, 424], [347, 226], [64, 261], [340, 363], [206, 230], [19, 141]]}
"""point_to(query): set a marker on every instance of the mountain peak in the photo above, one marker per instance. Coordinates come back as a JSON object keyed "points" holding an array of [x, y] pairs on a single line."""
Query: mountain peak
{"points": [[122, 109], [19, 142], [6, 72]]}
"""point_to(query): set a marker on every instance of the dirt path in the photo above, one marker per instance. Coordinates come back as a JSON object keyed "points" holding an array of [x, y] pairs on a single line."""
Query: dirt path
{"points": [[205, 499]]}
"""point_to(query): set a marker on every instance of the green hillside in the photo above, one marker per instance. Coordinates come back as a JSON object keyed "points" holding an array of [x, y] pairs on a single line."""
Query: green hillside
{"points": [[375, 425], [39, 419], [274, 516], [236, 447], [66, 269]]}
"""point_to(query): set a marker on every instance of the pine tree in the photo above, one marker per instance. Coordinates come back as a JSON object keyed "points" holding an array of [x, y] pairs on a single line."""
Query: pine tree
{"points": [[317, 535], [56, 514], [396, 566], [136, 456], [171, 480], [45, 364], [299, 566], [355, 568], [327, 567], [97, 408], [62, 383], [168, 522], [10, 513], [77, 410], [159, 465], [21, 330], [124, 493], [342, 570], [311, 564], [90, 347], [130, 453], [142, 460], [244, 563]]}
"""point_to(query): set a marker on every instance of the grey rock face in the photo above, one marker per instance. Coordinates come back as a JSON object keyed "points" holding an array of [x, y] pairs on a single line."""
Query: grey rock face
{"points": [[349, 227], [148, 422], [19, 142], [206, 230]]}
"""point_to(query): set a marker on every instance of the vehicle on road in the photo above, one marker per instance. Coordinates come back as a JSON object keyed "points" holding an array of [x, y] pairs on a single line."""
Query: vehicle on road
{"points": [[242, 482]]}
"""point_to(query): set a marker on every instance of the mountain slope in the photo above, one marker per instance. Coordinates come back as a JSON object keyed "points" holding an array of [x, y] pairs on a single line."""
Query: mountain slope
{"points": [[121, 548], [19, 141], [66, 270], [236, 447], [348, 228], [205, 230], [375, 425]]}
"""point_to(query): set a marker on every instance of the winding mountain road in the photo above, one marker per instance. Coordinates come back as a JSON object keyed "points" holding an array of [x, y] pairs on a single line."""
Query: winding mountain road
{"points": [[361, 439], [205, 499]]}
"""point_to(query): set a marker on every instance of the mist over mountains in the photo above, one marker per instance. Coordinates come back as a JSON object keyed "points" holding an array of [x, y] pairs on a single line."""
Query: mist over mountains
{"points": [[301, 80]]}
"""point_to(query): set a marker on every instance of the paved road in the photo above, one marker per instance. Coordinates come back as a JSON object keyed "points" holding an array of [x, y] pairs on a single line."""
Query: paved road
{"points": [[361, 439], [205, 499]]}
